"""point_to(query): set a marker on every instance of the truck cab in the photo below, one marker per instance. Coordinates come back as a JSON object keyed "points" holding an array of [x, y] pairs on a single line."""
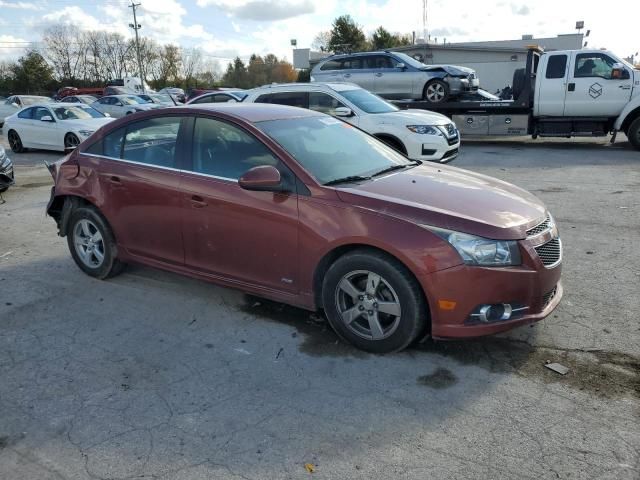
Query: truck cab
{"points": [[584, 83]]}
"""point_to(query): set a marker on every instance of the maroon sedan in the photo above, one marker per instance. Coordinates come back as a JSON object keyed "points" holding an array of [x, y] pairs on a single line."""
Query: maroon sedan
{"points": [[299, 207]]}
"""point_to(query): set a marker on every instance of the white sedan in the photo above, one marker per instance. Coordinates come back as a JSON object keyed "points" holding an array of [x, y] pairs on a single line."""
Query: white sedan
{"points": [[53, 126]]}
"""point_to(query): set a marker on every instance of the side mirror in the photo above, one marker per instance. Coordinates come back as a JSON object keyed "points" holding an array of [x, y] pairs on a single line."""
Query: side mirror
{"points": [[619, 72], [107, 114], [15, 105], [401, 66], [119, 104], [264, 178], [343, 112], [46, 118]]}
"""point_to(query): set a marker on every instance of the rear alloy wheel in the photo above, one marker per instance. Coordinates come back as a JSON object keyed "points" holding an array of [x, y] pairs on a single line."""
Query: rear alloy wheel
{"points": [[633, 133], [372, 301], [92, 245], [71, 141], [436, 91], [15, 142]]}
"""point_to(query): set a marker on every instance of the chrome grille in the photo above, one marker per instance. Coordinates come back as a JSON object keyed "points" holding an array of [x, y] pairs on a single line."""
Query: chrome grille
{"points": [[541, 227], [547, 297], [550, 253]]}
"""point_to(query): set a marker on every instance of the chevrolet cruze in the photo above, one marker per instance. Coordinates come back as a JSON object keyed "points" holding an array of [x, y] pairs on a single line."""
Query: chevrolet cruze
{"points": [[302, 208]]}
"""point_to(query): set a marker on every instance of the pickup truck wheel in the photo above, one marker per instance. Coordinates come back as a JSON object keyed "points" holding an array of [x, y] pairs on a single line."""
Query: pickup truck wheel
{"points": [[436, 91], [633, 133]]}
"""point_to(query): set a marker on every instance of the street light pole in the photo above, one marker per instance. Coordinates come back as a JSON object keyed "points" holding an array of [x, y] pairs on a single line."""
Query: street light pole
{"points": [[136, 26]]}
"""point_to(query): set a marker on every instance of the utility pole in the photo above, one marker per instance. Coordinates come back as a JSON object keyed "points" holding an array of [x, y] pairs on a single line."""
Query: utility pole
{"points": [[136, 26]]}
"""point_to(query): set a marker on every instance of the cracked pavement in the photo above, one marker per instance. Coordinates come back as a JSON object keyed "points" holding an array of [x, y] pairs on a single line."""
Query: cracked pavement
{"points": [[154, 375]]}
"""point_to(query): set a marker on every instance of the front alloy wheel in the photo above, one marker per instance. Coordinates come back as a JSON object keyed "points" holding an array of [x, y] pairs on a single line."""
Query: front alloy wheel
{"points": [[373, 301], [15, 142], [71, 142], [436, 91], [368, 305]]}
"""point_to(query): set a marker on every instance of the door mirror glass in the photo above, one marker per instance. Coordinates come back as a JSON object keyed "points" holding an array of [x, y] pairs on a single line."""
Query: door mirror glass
{"points": [[119, 104], [15, 105], [262, 178], [618, 72], [401, 66], [46, 118], [107, 114], [343, 112]]}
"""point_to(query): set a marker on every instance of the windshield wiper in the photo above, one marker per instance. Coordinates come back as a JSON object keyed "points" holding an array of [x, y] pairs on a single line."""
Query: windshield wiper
{"points": [[350, 178]]}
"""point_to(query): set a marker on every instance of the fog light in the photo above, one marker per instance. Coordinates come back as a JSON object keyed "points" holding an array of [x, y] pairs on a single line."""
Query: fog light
{"points": [[498, 312], [493, 313]]}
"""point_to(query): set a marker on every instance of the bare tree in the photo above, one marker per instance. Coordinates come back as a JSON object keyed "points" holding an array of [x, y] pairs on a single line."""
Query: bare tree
{"points": [[62, 48], [321, 41], [191, 61]]}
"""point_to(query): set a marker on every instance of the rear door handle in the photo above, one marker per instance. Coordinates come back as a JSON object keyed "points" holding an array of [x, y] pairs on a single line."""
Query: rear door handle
{"points": [[572, 87], [115, 181], [198, 202], [379, 74], [346, 75]]}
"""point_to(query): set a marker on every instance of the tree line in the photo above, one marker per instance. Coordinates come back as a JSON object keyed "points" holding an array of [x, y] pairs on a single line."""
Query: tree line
{"points": [[347, 36], [69, 56]]}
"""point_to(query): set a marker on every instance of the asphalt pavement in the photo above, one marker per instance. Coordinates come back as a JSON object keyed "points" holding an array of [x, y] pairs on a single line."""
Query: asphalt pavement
{"points": [[154, 375]]}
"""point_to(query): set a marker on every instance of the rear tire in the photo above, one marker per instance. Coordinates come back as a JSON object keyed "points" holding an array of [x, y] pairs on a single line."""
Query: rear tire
{"points": [[436, 91], [373, 302], [92, 244], [633, 133]]}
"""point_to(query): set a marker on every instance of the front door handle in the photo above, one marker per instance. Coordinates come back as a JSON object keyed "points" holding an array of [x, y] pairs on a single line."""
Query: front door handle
{"points": [[572, 87], [198, 202], [379, 74], [346, 75]]}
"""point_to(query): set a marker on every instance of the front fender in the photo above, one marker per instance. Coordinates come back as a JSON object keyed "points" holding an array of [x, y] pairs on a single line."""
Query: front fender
{"points": [[631, 110]]}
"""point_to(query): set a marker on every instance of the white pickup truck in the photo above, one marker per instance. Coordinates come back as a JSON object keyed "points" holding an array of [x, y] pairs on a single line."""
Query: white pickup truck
{"points": [[560, 93]]}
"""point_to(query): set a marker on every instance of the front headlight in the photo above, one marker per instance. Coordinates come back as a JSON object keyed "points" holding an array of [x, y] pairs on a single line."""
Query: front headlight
{"points": [[86, 133], [481, 251], [424, 129]]}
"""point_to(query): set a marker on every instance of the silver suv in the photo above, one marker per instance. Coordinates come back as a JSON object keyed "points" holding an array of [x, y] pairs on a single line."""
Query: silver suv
{"points": [[396, 75]]}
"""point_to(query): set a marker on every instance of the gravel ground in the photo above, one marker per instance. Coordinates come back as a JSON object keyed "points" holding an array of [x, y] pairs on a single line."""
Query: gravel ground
{"points": [[153, 375]]}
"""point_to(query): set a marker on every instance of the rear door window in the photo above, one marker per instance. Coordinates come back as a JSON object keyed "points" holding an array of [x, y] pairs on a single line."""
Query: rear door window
{"points": [[152, 142], [379, 62], [557, 66], [293, 99], [226, 151], [331, 65], [322, 102]]}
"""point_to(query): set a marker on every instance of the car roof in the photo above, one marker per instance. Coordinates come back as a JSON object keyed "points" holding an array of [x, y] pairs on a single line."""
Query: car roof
{"points": [[335, 86], [357, 54], [254, 112]]}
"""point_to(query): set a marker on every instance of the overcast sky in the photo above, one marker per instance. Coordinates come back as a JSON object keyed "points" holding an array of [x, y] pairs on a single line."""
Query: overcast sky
{"points": [[226, 28]]}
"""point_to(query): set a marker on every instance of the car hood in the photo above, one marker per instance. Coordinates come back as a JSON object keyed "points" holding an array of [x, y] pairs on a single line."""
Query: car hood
{"points": [[451, 198], [88, 124], [411, 117], [450, 69]]}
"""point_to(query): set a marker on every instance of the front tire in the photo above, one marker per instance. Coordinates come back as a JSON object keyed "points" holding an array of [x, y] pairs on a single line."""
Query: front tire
{"points": [[92, 244], [436, 91], [71, 141], [15, 142], [633, 133], [372, 301]]}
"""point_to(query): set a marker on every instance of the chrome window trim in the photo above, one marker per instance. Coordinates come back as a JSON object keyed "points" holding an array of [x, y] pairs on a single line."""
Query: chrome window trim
{"points": [[133, 162]]}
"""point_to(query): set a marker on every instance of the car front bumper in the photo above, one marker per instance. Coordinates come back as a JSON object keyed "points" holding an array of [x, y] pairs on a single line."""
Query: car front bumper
{"points": [[433, 148], [461, 85], [7, 177], [456, 293]]}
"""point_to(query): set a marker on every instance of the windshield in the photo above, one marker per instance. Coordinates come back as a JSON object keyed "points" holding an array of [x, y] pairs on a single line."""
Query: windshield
{"points": [[330, 149], [76, 113], [159, 98], [409, 60], [368, 102], [31, 100], [131, 100]]}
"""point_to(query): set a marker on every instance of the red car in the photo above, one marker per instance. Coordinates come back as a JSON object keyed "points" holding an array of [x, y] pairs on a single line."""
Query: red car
{"points": [[299, 207]]}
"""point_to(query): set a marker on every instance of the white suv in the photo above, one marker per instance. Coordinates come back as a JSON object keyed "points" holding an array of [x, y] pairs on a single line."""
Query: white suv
{"points": [[419, 134]]}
